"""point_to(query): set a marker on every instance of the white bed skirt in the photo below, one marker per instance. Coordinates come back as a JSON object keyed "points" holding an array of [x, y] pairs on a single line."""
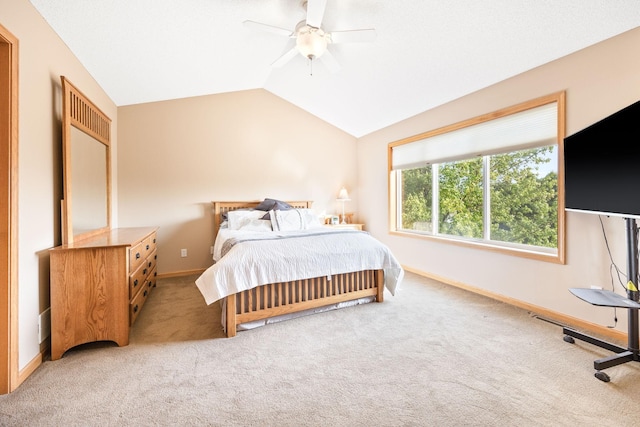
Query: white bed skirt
{"points": [[262, 322]]}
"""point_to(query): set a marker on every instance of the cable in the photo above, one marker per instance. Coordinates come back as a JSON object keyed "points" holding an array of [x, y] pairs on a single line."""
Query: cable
{"points": [[615, 310], [612, 265], [637, 253]]}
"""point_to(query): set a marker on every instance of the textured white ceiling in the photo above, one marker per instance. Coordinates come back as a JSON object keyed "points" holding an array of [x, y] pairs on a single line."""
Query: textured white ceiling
{"points": [[427, 52]]}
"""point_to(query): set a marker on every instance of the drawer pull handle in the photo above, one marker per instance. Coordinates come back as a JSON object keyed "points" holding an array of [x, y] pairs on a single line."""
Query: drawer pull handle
{"points": [[137, 255], [145, 293], [135, 308], [150, 284], [135, 283], [150, 264], [154, 240], [155, 274], [155, 257], [144, 271], [147, 247]]}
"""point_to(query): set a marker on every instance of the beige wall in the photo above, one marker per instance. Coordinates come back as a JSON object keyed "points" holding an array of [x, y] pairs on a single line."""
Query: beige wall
{"points": [[598, 81], [43, 58], [175, 157]]}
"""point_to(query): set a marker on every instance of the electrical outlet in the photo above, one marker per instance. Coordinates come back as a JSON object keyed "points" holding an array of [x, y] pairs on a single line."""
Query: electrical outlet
{"points": [[183, 253]]}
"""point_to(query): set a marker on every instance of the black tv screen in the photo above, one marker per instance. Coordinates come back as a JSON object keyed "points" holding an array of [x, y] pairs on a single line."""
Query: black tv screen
{"points": [[602, 165]]}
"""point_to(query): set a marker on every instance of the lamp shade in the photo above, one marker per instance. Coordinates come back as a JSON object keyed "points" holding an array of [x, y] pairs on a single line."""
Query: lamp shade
{"points": [[343, 194], [311, 42]]}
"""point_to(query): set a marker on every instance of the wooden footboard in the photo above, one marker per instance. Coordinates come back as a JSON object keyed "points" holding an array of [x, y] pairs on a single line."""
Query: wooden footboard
{"points": [[290, 297]]}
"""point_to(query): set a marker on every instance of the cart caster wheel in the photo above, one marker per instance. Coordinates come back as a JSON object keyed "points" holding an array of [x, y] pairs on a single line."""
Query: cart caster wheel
{"points": [[569, 339], [602, 376]]}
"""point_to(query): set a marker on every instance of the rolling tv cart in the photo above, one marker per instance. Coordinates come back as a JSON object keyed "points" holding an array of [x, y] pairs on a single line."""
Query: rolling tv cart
{"points": [[604, 298]]}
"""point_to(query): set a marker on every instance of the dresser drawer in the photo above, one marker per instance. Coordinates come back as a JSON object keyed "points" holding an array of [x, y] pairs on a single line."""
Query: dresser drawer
{"points": [[150, 244], [150, 262], [138, 301], [142, 274], [136, 256], [151, 280], [136, 280], [140, 252]]}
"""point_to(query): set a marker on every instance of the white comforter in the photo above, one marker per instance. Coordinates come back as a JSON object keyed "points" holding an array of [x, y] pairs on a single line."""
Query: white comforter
{"points": [[271, 257]]}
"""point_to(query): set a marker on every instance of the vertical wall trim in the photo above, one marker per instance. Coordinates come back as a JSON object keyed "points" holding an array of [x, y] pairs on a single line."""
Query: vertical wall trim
{"points": [[9, 214]]}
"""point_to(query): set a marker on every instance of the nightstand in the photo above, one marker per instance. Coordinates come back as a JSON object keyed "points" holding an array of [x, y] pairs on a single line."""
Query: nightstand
{"points": [[347, 226]]}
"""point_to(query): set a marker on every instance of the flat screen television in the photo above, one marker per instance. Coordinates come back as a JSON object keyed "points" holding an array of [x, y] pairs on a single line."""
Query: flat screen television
{"points": [[602, 166]]}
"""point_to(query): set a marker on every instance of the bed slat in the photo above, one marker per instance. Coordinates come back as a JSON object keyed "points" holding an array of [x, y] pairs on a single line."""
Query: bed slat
{"points": [[289, 297]]}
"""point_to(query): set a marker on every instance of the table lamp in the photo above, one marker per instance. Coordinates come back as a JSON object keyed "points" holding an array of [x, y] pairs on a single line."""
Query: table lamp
{"points": [[343, 196]]}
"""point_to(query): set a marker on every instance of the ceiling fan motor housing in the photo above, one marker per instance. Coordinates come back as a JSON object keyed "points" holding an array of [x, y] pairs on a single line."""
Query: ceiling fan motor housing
{"points": [[311, 42]]}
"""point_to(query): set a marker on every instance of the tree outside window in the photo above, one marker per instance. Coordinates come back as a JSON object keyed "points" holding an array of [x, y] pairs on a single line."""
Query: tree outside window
{"points": [[521, 204]]}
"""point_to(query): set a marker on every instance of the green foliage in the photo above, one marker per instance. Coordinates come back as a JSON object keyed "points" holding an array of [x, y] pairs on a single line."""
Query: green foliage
{"points": [[417, 199], [524, 206], [416, 213], [523, 201], [461, 198]]}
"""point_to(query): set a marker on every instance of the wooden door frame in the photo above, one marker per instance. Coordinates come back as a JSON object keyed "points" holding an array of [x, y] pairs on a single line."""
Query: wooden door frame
{"points": [[8, 212]]}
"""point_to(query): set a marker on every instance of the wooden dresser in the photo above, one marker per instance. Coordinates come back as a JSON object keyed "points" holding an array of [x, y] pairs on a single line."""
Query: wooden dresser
{"points": [[99, 285]]}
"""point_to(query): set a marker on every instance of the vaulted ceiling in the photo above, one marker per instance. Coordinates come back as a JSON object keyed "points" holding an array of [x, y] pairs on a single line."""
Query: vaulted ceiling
{"points": [[426, 52]]}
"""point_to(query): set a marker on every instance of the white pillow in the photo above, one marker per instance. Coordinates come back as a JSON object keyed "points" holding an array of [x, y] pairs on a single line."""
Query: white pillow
{"points": [[257, 225], [294, 219], [311, 219], [239, 218], [289, 220]]}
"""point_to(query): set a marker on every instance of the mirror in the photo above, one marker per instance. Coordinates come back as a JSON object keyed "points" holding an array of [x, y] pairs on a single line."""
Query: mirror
{"points": [[86, 167], [89, 182]]}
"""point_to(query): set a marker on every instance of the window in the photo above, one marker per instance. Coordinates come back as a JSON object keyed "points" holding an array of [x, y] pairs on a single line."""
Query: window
{"points": [[491, 182]]}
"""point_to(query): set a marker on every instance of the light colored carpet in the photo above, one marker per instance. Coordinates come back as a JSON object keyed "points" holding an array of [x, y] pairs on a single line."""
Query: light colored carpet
{"points": [[432, 355]]}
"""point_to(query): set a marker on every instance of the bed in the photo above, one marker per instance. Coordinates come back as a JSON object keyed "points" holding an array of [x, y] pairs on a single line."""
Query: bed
{"points": [[265, 268]]}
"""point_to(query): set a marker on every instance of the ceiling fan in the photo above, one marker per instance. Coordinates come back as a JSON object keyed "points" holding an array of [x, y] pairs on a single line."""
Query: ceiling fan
{"points": [[309, 38]]}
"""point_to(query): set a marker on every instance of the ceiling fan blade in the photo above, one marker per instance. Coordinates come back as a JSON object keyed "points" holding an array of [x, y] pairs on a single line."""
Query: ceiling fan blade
{"points": [[315, 12], [330, 62], [288, 56], [268, 28], [353, 36]]}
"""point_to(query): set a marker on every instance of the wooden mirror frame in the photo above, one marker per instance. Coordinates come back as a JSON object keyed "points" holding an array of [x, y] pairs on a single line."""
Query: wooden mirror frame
{"points": [[79, 112]]}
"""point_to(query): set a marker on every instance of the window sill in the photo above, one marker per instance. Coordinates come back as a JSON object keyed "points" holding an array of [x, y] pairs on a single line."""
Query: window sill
{"points": [[556, 257]]}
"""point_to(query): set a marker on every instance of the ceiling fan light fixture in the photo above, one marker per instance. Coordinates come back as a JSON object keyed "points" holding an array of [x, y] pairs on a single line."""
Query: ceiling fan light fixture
{"points": [[311, 42]]}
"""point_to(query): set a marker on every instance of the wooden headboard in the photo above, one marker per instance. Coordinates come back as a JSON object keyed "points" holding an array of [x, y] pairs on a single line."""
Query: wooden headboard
{"points": [[222, 207]]}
